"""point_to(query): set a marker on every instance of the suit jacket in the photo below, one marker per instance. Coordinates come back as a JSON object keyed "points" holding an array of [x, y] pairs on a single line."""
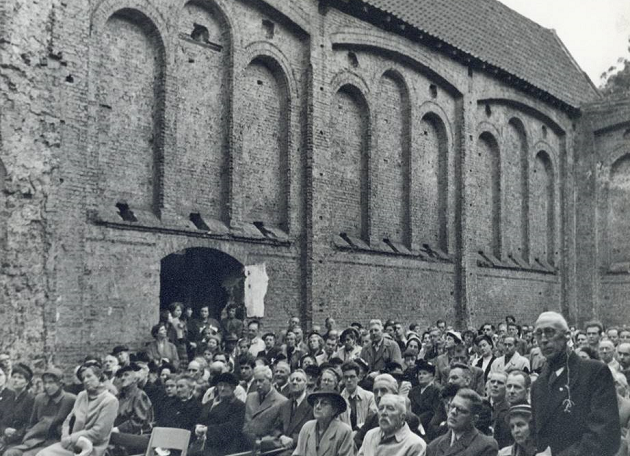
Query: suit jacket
{"points": [[502, 433], [517, 362], [47, 417], [260, 418], [478, 382], [424, 404], [442, 369], [387, 351], [288, 424], [225, 424], [472, 443], [365, 405], [591, 425], [336, 441]]}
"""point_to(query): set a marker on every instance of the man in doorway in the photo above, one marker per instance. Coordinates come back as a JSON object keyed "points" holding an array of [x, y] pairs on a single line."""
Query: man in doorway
{"points": [[256, 343]]}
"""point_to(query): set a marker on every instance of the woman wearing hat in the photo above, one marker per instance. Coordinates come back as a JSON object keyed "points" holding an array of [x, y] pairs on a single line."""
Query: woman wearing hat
{"points": [[19, 407], [326, 435], [520, 420], [221, 420], [92, 416]]}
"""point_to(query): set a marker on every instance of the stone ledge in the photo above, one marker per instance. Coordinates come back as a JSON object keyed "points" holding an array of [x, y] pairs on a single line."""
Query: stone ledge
{"points": [[515, 262], [345, 242], [197, 225]]}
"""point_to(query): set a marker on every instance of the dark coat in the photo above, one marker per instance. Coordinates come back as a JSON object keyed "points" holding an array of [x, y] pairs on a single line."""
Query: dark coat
{"points": [[20, 408], [288, 424], [472, 443], [502, 433], [183, 414], [591, 427], [260, 418], [425, 404], [386, 352], [225, 425]]}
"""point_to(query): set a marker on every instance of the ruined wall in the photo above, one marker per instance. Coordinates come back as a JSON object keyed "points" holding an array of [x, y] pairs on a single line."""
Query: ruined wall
{"points": [[366, 170], [603, 171]]}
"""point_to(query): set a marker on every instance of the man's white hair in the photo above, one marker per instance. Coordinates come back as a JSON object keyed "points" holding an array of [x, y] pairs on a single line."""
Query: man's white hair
{"points": [[554, 319], [399, 402], [265, 370]]}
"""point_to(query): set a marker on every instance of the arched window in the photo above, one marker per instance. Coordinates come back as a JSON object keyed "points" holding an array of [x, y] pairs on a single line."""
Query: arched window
{"points": [[619, 215], [543, 208], [486, 203], [349, 154]]}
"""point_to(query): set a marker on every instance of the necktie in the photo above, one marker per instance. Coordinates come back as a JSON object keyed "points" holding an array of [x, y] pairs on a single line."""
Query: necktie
{"points": [[353, 411], [293, 408]]}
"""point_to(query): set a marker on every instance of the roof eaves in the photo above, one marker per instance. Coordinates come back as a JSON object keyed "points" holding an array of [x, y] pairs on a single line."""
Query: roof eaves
{"points": [[569, 106]]}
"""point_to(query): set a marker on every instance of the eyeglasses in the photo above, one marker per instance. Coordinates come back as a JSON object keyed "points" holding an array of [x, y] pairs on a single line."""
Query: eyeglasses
{"points": [[458, 410], [547, 332]]}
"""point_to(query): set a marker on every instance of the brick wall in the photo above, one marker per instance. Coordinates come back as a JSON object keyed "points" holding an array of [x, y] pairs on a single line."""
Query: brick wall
{"points": [[300, 117]]}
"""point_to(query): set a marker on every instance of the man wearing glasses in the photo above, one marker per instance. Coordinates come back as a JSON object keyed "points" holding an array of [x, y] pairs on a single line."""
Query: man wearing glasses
{"points": [[574, 400], [462, 437]]}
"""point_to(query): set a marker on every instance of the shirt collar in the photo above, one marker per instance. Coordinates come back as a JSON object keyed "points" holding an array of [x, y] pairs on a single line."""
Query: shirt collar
{"points": [[398, 436]]}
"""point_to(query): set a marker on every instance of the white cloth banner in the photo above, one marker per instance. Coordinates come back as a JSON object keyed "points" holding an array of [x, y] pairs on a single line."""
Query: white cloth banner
{"points": [[256, 281]]}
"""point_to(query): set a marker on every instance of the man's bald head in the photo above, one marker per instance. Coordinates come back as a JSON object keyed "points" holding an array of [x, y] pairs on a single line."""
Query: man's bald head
{"points": [[623, 354]]}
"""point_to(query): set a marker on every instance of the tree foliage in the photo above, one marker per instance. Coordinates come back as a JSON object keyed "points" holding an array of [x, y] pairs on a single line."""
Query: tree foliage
{"points": [[616, 80]]}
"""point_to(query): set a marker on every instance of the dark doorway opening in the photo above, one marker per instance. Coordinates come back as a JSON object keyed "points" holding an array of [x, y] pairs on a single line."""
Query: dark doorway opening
{"points": [[199, 277]]}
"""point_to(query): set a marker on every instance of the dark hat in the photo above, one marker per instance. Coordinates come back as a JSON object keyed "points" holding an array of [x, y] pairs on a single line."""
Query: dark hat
{"points": [[24, 370], [225, 377], [338, 401], [409, 352], [119, 348], [141, 357], [520, 409], [53, 372], [132, 367], [421, 364], [362, 363], [231, 338], [347, 331]]}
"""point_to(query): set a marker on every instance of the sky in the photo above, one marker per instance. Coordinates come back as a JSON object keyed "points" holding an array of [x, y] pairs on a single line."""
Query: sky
{"points": [[595, 32]]}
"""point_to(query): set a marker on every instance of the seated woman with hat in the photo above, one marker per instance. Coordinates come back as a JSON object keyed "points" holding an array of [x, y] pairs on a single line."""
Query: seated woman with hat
{"points": [[520, 419], [326, 435]]}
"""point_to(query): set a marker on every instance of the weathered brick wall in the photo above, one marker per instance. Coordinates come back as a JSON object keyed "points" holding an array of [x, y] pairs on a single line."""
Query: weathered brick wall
{"points": [[287, 113]]}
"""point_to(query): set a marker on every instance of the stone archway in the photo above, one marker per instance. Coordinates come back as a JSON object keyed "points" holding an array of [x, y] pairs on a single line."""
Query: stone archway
{"points": [[201, 276]]}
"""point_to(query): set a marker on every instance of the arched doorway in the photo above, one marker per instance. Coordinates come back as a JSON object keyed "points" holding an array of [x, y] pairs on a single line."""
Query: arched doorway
{"points": [[201, 276]]}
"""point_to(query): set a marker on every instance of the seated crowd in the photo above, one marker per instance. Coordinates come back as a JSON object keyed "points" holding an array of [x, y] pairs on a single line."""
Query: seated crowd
{"points": [[379, 390]]}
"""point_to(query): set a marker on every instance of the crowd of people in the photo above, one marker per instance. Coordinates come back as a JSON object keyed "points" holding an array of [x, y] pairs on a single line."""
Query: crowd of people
{"points": [[386, 388]]}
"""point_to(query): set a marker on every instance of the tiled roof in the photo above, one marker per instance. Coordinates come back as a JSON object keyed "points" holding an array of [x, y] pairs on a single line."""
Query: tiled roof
{"points": [[499, 36]]}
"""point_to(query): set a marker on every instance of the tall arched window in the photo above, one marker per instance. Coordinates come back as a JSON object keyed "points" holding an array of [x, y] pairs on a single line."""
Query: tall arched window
{"points": [[543, 210], [130, 96], [486, 203], [619, 215], [349, 154]]}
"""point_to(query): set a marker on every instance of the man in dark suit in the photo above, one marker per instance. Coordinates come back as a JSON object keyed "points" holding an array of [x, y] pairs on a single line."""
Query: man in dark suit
{"points": [[381, 350], [574, 401], [261, 407], [291, 417], [425, 398], [462, 438]]}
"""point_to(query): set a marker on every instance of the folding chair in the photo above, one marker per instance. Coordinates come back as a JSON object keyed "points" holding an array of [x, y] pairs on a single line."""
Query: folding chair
{"points": [[171, 438]]}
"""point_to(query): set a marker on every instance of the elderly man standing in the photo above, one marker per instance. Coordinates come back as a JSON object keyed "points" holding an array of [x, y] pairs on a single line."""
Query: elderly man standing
{"points": [[381, 351], [462, 438], [393, 436], [574, 401], [262, 406]]}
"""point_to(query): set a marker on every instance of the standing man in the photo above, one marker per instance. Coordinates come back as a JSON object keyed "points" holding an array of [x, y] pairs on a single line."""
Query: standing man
{"points": [[462, 438], [381, 351], [512, 360], [256, 343], [594, 331], [574, 401]]}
